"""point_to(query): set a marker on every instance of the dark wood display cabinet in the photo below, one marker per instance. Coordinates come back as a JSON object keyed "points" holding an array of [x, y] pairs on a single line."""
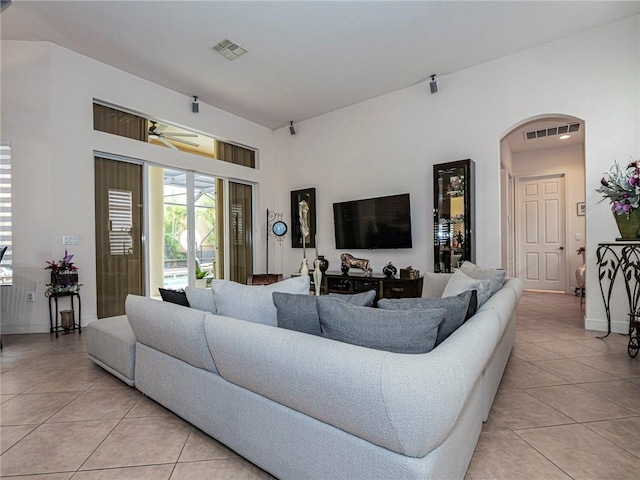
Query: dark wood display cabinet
{"points": [[453, 214], [385, 287]]}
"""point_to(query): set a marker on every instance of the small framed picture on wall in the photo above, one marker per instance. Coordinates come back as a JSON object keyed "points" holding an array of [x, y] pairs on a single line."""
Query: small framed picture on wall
{"points": [[582, 209]]}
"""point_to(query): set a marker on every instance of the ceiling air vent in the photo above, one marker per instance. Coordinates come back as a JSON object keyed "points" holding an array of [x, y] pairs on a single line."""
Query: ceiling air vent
{"points": [[229, 49], [551, 131]]}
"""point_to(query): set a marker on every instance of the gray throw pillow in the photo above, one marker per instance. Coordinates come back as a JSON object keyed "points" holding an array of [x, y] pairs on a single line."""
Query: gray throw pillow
{"points": [[300, 313], [398, 331], [254, 302], [455, 310], [496, 276]]}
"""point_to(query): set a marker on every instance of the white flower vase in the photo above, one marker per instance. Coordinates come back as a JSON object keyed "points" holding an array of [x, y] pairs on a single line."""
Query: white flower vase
{"points": [[317, 276]]}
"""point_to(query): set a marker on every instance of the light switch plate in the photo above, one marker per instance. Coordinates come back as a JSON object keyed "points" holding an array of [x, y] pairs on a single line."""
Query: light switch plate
{"points": [[70, 239]]}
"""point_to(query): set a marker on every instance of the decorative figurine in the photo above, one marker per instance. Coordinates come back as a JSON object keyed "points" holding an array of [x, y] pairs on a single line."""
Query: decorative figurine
{"points": [[350, 261], [389, 270]]}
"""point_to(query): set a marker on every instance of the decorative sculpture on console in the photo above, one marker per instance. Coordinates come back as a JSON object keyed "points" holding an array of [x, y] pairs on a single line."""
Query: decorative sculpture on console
{"points": [[349, 261]]}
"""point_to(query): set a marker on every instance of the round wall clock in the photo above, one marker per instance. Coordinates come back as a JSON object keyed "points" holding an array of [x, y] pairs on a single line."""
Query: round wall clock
{"points": [[279, 228]]}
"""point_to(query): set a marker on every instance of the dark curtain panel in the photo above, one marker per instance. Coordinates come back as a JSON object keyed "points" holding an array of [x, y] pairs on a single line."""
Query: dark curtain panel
{"points": [[110, 120], [220, 231], [241, 222], [235, 154], [119, 255]]}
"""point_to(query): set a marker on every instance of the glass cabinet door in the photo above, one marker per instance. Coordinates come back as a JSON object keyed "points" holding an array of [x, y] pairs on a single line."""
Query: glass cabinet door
{"points": [[453, 214]]}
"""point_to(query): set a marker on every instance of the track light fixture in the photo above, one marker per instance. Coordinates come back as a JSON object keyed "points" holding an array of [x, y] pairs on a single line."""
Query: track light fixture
{"points": [[433, 85], [195, 106], [292, 130]]}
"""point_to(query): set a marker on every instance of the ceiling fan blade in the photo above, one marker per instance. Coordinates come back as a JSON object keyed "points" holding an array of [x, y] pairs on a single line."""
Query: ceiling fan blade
{"points": [[167, 143], [160, 127], [176, 134], [186, 142], [153, 136]]}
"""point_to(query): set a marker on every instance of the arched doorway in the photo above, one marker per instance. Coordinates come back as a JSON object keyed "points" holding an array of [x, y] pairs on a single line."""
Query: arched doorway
{"points": [[542, 195]]}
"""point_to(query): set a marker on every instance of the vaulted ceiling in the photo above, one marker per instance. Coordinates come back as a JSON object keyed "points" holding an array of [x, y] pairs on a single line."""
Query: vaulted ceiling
{"points": [[305, 58]]}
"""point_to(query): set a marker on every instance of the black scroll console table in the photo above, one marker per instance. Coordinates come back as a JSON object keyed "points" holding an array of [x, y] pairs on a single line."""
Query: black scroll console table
{"points": [[55, 296], [615, 259]]}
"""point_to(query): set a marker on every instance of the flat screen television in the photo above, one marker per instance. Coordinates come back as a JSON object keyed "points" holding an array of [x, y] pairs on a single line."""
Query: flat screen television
{"points": [[382, 222]]}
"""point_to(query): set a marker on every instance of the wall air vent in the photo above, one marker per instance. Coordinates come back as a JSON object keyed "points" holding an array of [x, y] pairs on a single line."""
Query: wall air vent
{"points": [[551, 131], [228, 49]]}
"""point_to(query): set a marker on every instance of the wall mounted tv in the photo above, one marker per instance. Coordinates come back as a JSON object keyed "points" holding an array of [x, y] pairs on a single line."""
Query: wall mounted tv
{"points": [[382, 222]]}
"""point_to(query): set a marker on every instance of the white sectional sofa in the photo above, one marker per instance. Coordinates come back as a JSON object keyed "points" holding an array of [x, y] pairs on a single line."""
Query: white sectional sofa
{"points": [[302, 406]]}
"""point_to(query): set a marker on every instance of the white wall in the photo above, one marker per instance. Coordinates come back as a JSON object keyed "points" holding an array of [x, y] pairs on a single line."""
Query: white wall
{"points": [[382, 146], [389, 144], [47, 96], [570, 162]]}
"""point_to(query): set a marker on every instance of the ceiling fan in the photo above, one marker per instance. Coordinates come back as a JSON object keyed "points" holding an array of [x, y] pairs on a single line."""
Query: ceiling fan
{"points": [[157, 132]]}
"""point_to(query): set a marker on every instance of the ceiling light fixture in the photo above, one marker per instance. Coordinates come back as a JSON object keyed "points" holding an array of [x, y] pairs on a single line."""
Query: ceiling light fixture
{"points": [[195, 106], [564, 137], [292, 130], [433, 85]]}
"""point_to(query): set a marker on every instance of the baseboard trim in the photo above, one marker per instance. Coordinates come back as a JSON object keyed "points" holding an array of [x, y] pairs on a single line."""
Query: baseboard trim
{"points": [[600, 325]]}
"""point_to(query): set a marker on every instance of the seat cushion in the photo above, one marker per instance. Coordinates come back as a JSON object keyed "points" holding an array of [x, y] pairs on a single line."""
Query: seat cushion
{"points": [[112, 345]]}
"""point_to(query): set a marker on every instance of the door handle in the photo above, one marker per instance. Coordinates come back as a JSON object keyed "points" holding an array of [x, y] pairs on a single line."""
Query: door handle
{"points": [[561, 248]]}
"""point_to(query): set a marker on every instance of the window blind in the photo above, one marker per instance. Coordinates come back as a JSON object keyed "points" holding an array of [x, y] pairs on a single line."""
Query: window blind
{"points": [[5, 213]]}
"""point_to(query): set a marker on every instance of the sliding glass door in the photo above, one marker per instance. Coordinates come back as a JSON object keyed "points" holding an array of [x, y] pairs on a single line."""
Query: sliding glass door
{"points": [[200, 227], [190, 246]]}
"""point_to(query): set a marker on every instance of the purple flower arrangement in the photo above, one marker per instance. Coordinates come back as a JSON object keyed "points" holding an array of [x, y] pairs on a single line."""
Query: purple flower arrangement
{"points": [[622, 187]]}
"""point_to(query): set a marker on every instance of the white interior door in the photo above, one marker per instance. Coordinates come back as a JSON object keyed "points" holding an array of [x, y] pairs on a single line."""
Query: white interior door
{"points": [[540, 226]]}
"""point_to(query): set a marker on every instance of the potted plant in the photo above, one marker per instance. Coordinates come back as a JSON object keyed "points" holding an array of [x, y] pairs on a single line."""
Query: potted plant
{"points": [[64, 276], [201, 275], [622, 187]]}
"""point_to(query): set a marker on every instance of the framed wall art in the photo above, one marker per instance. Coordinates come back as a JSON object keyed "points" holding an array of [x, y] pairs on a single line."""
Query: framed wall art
{"points": [[303, 218]]}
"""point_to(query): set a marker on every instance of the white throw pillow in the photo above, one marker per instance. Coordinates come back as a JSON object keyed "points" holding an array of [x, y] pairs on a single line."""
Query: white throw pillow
{"points": [[200, 298], [254, 302], [461, 282], [496, 276]]}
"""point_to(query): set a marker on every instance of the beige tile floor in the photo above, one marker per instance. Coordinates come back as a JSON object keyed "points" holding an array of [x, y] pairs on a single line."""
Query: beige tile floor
{"points": [[568, 407]]}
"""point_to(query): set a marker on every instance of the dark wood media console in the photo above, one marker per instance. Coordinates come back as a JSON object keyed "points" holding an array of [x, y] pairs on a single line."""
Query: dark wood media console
{"points": [[385, 287]]}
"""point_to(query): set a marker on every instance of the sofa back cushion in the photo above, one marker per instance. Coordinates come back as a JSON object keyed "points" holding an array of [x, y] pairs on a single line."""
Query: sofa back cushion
{"points": [[254, 302], [300, 313], [398, 331], [404, 403], [454, 316], [172, 329], [434, 284]]}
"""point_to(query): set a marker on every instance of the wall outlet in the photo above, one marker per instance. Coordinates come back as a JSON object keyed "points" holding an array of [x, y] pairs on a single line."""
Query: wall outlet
{"points": [[31, 296]]}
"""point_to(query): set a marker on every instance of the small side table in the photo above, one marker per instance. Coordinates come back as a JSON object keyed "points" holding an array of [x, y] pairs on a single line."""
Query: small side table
{"points": [[615, 259], [54, 297]]}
